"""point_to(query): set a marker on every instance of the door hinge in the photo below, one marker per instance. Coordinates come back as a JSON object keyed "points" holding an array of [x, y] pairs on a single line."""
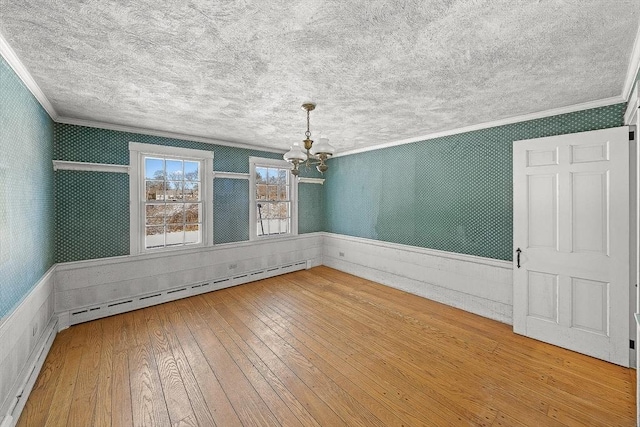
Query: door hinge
{"points": [[632, 136], [632, 344]]}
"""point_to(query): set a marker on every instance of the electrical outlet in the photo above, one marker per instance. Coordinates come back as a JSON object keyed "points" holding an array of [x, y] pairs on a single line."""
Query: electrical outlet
{"points": [[341, 254], [232, 266]]}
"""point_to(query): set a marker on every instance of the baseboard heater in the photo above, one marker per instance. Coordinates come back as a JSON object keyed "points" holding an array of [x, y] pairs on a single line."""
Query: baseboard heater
{"points": [[85, 314]]}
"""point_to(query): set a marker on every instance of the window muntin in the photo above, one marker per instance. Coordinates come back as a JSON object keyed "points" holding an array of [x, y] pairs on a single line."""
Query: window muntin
{"points": [[173, 203], [273, 203], [273, 199], [171, 193]]}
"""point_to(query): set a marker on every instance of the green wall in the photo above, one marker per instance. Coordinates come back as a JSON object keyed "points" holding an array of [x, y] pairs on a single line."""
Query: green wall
{"points": [[92, 208], [26, 190], [452, 193]]}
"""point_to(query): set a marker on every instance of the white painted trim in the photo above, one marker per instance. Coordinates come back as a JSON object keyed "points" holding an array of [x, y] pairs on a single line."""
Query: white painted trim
{"points": [[632, 69], [89, 167], [109, 308], [164, 134], [169, 150], [48, 275], [279, 163], [137, 152], [293, 197], [26, 334], [87, 290], [304, 180], [33, 367], [424, 251], [230, 175], [478, 285], [209, 250], [511, 120], [21, 71], [632, 107]]}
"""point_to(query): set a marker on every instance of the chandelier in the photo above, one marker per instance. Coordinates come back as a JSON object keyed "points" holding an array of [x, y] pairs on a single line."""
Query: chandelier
{"points": [[315, 154]]}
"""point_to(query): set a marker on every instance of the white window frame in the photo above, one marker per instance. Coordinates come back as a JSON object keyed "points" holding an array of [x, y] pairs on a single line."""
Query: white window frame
{"points": [[293, 197], [137, 152]]}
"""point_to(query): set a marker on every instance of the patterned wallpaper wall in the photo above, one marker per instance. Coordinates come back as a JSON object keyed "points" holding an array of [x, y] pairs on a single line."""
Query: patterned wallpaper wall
{"points": [[92, 208], [452, 193], [26, 190]]}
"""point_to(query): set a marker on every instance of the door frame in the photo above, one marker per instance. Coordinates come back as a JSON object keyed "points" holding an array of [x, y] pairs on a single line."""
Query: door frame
{"points": [[632, 119]]}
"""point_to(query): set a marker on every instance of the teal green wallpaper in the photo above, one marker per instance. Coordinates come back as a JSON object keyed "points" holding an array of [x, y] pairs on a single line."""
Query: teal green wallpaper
{"points": [[26, 190], [92, 209], [310, 208], [92, 216], [95, 145], [452, 193], [231, 210]]}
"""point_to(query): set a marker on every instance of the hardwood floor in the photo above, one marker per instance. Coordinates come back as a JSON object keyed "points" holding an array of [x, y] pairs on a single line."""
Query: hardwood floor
{"points": [[318, 348]]}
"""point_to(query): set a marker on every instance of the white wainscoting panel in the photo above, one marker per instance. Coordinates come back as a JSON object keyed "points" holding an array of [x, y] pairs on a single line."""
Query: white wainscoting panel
{"points": [[88, 290], [482, 286], [25, 338]]}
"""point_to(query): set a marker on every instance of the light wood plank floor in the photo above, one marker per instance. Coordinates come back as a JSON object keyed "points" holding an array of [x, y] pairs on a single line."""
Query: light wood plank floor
{"points": [[318, 348]]}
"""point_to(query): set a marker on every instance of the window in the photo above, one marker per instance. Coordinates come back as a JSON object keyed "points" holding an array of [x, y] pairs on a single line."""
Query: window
{"points": [[273, 210], [171, 197]]}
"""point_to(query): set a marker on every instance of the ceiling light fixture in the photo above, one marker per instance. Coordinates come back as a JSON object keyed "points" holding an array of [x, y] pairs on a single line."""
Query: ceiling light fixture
{"points": [[319, 152]]}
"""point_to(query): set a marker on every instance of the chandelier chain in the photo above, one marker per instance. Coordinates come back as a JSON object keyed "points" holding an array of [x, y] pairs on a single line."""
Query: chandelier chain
{"points": [[308, 133]]}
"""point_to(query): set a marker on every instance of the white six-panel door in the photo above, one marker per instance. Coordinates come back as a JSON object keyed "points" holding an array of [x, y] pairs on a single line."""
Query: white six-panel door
{"points": [[571, 223]]}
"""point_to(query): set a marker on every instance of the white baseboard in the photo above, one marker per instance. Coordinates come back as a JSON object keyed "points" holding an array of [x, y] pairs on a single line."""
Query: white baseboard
{"points": [[479, 285], [109, 308], [89, 290], [26, 336]]}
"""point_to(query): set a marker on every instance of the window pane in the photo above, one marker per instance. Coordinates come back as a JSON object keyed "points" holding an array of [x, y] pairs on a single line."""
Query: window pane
{"points": [[174, 190], [280, 210], [175, 213], [174, 170], [192, 213], [175, 234], [261, 192], [274, 226], [191, 191], [154, 237], [273, 176], [266, 210], [192, 233], [273, 205], [154, 214], [155, 190], [261, 175], [282, 176], [191, 171], [283, 192], [153, 168], [272, 192]]}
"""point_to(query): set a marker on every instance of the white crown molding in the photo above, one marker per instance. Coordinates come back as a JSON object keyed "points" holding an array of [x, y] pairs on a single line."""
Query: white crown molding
{"points": [[508, 121], [163, 134], [304, 180], [89, 167], [230, 175], [634, 66], [21, 71]]}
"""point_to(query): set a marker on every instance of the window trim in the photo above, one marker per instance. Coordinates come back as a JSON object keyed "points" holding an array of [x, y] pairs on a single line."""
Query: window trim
{"points": [[293, 197], [137, 152]]}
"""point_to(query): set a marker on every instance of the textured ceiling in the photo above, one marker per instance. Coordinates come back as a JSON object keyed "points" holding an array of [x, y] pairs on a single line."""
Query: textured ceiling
{"points": [[380, 71]]}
